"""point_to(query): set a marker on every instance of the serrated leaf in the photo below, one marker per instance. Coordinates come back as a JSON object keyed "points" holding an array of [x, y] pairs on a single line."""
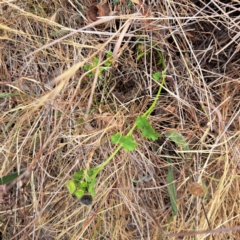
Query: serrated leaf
{"points": [[78, 176], [128, 143], [157, 76], [116, 138], [79, 193], [146, 128], [71, 186]]}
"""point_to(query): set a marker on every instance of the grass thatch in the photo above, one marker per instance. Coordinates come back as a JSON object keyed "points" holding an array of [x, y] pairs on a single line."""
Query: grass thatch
{"points": [[56, 119]]}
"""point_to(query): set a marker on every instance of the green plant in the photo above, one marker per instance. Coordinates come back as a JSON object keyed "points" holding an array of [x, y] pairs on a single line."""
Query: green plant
{"points": [[91, 67], [9, 178], [84, 180], [129, 4], [141, 51], [4, 95], [171, 187], [180, 141], [126, 141]]}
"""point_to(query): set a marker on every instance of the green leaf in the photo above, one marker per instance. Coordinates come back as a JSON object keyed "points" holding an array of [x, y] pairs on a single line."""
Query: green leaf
{"points": [[107, 64], [79, 193], [91, 188], [82, 185], [171, 188], [109, 54], [116, 138], [90, 74], [109, 58], [3, 95], [87, 67], [101, 69], [128, 143], [129, 5], [176, 137], [92, 172], [92, 192], [140, 55], [95, 60], [71, 186], [140, 47], [9, 178], [157, 76], [78, 176], [146, 128]]}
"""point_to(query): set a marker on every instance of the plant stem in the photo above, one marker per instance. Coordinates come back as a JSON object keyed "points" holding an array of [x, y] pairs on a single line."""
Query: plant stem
{"points": [[101, 166], [147, 113]]}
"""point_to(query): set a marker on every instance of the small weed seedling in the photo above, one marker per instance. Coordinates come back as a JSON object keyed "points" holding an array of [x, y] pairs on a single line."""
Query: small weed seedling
{"points": [[83, 183], [93, 66]]}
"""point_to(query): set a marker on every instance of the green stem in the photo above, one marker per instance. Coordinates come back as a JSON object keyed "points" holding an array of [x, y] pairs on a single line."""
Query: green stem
{"points": [[147, 113], [101, 166], [151, 108]]}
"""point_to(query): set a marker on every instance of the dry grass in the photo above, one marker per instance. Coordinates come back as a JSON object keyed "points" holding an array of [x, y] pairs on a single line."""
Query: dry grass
{"points": [[45, 129]]}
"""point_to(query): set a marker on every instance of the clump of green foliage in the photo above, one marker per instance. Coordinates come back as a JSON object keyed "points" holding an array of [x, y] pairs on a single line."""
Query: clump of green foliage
{"points": [[93, 66], [84, 180]]}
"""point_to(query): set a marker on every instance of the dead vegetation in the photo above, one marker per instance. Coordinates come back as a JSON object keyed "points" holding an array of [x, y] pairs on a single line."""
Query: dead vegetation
{"points": [[55, 119]]}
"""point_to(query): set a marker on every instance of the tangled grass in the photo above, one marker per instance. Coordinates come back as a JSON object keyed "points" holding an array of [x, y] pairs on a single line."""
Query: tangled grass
{"points": [[56, 119]]}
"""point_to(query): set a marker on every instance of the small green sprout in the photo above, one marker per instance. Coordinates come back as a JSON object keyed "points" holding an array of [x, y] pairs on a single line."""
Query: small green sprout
{"points": [[106, 64], [141, 50], [83, 182], [157, 76]]}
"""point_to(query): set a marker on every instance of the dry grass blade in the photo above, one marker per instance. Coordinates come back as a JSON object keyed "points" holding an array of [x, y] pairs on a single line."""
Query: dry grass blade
{"points": [[118, 44], [220, 230], [93, 86], [90, 25], [101, 21]]}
